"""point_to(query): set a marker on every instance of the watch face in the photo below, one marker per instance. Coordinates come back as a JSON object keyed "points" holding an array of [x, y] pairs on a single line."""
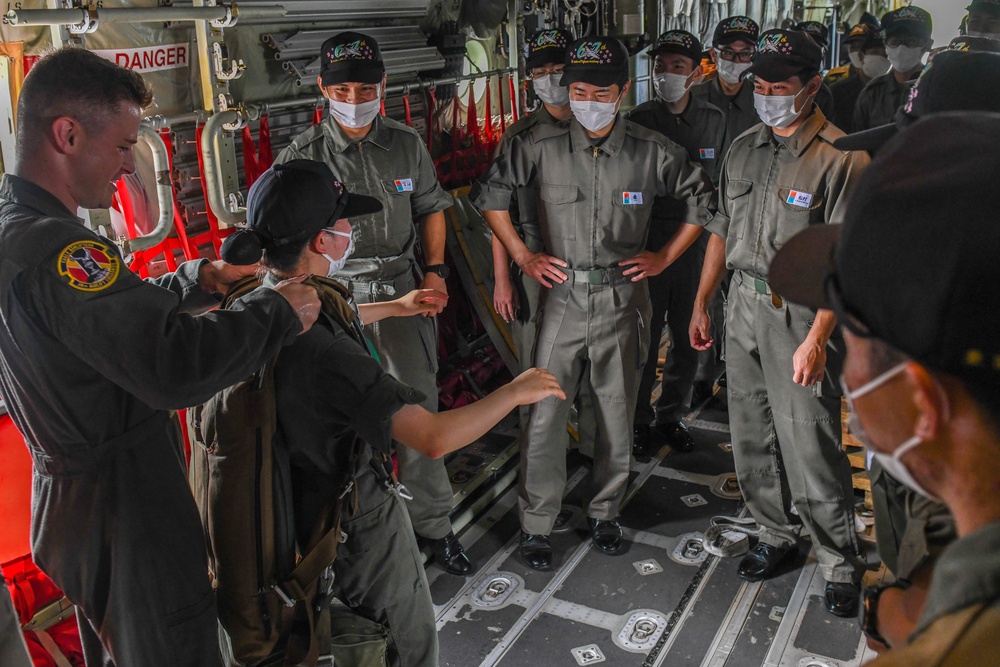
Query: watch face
{"points": [[440, 269]]}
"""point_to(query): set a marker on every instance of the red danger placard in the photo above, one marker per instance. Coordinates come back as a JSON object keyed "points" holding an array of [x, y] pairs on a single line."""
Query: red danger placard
{"points": [[149, 58]]}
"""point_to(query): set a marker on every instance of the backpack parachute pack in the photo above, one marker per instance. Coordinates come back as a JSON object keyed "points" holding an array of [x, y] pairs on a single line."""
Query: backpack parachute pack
{"points": [[271, 602]]}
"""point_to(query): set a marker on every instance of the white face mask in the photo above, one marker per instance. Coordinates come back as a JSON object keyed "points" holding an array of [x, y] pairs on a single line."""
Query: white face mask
{"points": [[356, 115], [670, 87], [337, 265], [892, 463], [549, 91], [594, 116], [730, 71], [983, 35], [855, 58], [874, 66], [905, 58], [777, 110]]}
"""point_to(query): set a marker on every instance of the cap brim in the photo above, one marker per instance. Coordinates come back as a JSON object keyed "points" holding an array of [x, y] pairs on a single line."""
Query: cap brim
{"points": [[675, 49], [798, 271], [359, 205], [593, 76], [867, 140], [552, 58], [353, 71], [731, 37], [774, 70]]}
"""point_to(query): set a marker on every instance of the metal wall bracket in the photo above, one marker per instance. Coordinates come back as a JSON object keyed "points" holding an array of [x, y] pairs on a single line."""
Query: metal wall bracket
{"points": [[225, 69], [89, 24]]}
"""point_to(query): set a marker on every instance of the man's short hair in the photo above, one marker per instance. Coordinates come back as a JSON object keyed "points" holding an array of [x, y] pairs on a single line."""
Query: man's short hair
{"points": [[77, 83]]}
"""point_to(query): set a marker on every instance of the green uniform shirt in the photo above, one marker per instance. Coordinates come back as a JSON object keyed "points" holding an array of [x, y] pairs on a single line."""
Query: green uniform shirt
{"points": [[739, 109], [878, 102], [960, 622], [845, 96], [524, 201], [700, 130], [770, 190], [595, 201], [389, 163]]}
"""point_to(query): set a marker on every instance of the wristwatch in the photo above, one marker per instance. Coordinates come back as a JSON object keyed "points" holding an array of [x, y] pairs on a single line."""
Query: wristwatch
{"points": [[440, 269], [869, 610]]}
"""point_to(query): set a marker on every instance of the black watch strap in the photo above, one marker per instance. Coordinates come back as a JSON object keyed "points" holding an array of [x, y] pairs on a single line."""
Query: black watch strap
{"points": [[440, 269], [869, 611]]}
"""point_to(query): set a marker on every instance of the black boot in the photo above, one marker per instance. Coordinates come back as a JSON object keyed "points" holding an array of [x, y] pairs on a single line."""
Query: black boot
{"points": [[450, 555]]}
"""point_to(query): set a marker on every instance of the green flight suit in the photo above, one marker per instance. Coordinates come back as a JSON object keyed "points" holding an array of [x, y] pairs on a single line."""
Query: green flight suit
{"points": [[699, 130], [879, 100], [594, 210], [391, 164], [786, 437], [739, 110], [93, 358]]}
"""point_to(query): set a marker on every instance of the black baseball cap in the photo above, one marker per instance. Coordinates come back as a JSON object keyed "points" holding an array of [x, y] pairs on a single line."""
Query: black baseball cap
{"points": [[599, 61], [781, 54], [914, 259], [546, 47], [992, 6], [351, 56], [952, 81], [865, 34], [736, 28], [290, 203], [677, 41], [908, 21], [981, 44], [818, 31]]}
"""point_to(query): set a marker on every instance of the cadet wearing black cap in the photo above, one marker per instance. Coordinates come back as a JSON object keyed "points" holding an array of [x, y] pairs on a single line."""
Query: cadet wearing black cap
{"points": [[733, 44], [984, 19], [784, 405], [329, 391], [388, 160], [699, 128], [952, 81], [983, 44], [905, 275], [907, 34], [595, 312], [866, 50]]}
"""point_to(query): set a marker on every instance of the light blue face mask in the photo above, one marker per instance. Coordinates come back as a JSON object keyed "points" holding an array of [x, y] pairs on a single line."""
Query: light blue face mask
{"points": [[337, 265]]}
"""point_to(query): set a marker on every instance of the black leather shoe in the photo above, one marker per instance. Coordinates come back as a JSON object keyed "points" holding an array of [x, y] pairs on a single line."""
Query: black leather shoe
{"points": [[450, 555], [607, 535], [677, 436], [536, 551], [760, 562], [642, 443], [842, 598]]}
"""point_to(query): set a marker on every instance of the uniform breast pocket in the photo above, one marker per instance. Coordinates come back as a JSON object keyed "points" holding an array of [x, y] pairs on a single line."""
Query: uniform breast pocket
{"points": [[631, 217], [799, 208], [557, 209], [738, 203]]}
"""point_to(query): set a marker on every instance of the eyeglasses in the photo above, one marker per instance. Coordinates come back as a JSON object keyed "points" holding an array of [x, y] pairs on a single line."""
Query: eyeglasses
{"points": [[735, 56], [908, 42], [850, 321], [539, 72]]}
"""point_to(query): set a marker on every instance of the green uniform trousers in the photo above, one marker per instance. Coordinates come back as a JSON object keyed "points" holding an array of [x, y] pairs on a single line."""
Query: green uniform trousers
{"points": [[594, 332], [785, 438], [379, 573], [407, 348]]}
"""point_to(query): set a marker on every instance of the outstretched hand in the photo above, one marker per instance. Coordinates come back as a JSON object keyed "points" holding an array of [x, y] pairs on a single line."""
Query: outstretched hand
{"points": [[427, 302], [535, 384]]}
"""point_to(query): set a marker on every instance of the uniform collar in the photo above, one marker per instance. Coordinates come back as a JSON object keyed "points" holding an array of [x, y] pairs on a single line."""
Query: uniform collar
{"points": [[798, 142], [612, 143], [964, 575], [742, 97], [25, 193], [339, 142]]}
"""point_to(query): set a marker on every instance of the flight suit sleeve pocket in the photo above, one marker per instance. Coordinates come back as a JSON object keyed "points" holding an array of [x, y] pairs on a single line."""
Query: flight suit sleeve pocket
{"points": [[559, 194], [738, 206]]}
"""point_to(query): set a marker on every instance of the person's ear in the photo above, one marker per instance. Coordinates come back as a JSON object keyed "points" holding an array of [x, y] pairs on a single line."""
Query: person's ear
{"points": [[695, 76], [67, 134], [931, 400]]}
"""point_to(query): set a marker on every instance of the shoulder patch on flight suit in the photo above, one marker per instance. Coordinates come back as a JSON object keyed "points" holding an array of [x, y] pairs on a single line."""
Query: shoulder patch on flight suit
{"points": [[88, 266]]}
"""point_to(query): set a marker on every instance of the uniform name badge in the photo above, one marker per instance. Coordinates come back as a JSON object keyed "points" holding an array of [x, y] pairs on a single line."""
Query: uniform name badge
{"points": [[800, 199], [404, 185], [631, 198], [706, 153]]}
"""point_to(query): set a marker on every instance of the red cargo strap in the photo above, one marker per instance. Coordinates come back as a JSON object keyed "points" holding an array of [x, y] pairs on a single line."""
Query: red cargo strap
{"points": [[503, 115], [317, 115], [265, 155], [513, 98], [472, 120], [431, 108], [488, 129], [250, 168], [406, 109], [213, 234], [189, 249]]}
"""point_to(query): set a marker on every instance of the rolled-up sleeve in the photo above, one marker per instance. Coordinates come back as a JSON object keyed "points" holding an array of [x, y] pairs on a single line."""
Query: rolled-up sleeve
{"points": [[688, 182]]}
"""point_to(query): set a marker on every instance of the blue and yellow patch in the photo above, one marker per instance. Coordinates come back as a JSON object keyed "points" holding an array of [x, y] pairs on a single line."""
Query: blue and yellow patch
{"points": [[89, 266]]}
